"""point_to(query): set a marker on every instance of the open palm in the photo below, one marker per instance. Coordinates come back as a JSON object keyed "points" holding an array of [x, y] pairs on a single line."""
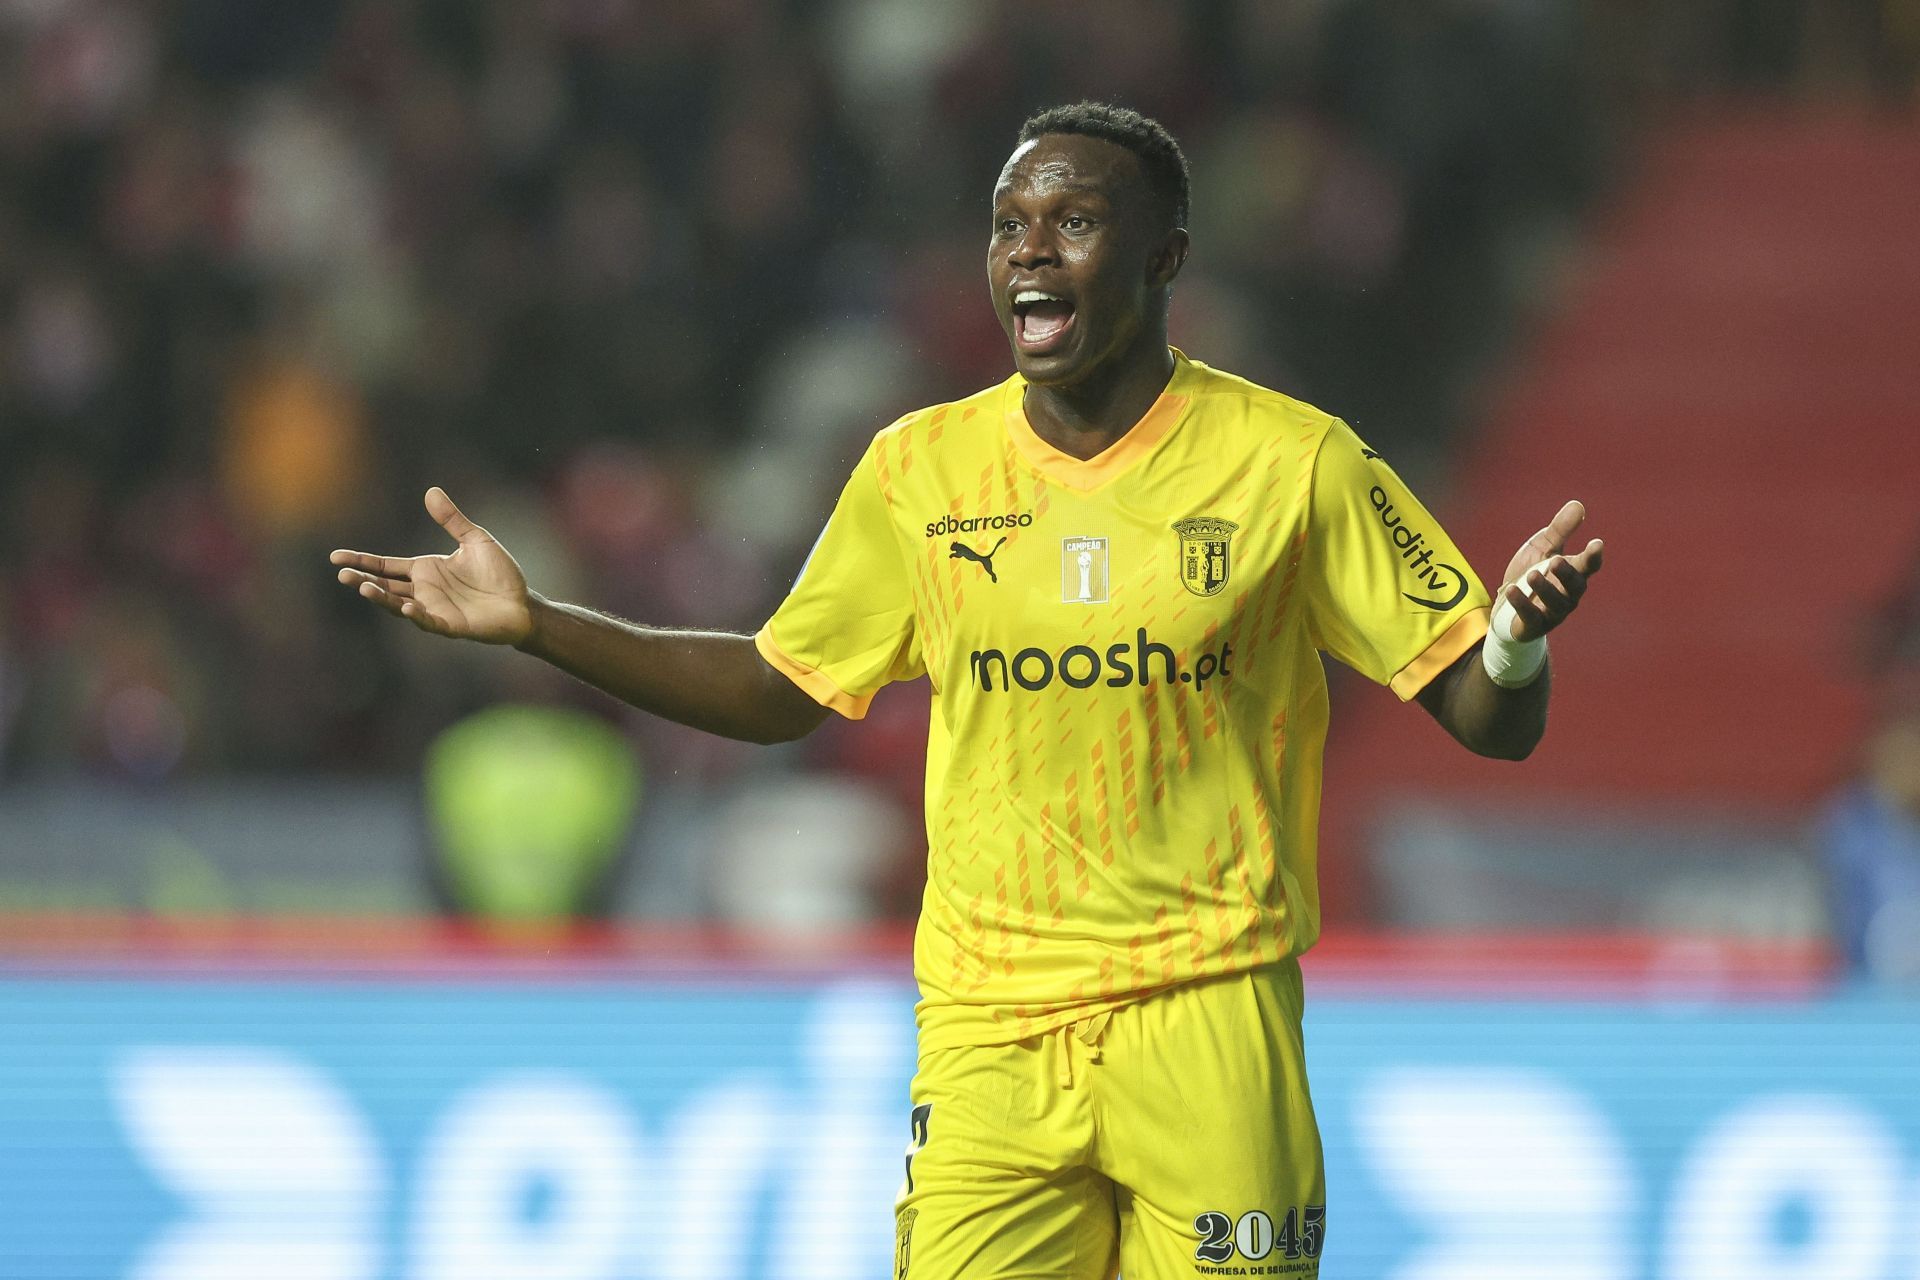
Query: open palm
{"points": [[475, 593], [1542, 583]]}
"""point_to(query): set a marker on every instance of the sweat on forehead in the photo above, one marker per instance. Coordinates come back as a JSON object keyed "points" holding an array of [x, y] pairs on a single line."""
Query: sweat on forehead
{"points": [[1061, 162]]}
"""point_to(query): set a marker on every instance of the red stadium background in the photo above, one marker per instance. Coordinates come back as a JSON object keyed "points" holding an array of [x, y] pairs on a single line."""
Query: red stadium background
{"points": [[635, 281]]}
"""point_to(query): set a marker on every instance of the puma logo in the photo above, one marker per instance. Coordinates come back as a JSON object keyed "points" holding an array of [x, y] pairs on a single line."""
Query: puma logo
{"points": [[961, 551]]}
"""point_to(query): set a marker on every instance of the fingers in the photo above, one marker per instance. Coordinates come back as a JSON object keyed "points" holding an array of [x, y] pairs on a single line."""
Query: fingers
{"points": [[1548, 585], [1588, 561], [1554, 591], [1544, 596], [1529, 620], [441, 508], [400, 587], [396, 567], [396, 598], [1552, 538], [369, 589], [414, 612], [1569, 518]]}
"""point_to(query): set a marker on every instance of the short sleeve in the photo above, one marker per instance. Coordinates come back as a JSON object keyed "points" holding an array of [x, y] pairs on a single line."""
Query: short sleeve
{"points": [[1388, 592], [846, 628]]}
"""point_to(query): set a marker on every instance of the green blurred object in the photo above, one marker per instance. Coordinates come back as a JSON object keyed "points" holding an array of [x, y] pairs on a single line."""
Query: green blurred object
{"points": [[529, 808], [183, 881]]}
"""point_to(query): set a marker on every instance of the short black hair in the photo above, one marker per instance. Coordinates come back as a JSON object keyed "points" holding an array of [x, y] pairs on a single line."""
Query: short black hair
{"points": [[1160, 156]]}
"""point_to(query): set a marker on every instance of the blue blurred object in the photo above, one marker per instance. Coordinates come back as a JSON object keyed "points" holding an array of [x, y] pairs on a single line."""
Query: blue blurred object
{"points": [[1870, 841], [1873, 854], [611, 1130]]}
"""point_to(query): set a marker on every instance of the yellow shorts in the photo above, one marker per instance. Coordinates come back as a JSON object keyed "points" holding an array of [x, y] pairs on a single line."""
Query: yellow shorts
{"points": [[1166, 1140]]}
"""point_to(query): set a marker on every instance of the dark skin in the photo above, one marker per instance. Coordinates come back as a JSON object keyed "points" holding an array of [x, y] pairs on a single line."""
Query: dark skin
{"points": [[1507, 724], [1073, 217], [707, 679]]}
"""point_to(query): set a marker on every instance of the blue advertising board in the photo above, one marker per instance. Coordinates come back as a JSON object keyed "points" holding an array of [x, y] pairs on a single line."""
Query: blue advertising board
{"points": [[204, 1129]]}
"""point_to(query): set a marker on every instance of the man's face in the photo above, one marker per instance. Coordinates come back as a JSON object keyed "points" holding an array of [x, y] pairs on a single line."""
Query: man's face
{"points": [[1077, 257]]}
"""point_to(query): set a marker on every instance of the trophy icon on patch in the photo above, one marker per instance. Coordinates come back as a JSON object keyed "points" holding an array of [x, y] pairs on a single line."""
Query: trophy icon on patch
{"points": [[1083, 570]]}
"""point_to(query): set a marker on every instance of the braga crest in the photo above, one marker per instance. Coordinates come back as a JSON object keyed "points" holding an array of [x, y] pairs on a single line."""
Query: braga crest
{"points": [[1206, 553]]}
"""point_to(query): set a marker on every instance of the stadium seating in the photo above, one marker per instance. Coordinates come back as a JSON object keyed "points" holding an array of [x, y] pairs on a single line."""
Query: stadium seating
{"points": [[1729, 388]]}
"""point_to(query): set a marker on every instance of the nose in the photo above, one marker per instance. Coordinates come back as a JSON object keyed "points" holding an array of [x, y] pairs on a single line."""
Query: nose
{"points": [[1034, 248]]}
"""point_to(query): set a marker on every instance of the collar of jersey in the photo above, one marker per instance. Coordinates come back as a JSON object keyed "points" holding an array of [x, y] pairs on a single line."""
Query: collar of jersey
{"points": [[1161, 418]]}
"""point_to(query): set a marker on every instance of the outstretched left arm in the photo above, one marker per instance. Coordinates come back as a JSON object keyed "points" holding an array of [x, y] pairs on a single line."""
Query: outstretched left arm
{"points": [[1542, 586]]}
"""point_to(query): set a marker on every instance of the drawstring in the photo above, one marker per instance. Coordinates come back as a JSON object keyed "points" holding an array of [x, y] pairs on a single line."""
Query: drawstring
{"points": [[1088, 1032], [1091, 1032]]}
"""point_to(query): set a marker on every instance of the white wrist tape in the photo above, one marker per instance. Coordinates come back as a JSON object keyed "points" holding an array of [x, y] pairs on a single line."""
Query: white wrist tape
{"points": [[1510, 663]]}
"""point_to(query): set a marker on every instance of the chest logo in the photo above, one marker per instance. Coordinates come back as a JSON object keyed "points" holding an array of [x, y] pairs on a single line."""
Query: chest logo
{"points": [[1083, 570], [961, 551], [1206, 553]]}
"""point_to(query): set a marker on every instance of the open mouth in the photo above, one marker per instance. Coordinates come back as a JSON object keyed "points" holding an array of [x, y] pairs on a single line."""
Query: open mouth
{"points": [[1040, 320]]}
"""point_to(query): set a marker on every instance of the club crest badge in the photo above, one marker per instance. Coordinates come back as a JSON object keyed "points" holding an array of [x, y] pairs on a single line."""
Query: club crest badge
{"points": [[1206, 553], [903, 1242]]}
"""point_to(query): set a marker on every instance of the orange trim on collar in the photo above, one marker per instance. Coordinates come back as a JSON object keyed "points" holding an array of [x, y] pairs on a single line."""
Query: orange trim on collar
{"points": [[1086, 474]]}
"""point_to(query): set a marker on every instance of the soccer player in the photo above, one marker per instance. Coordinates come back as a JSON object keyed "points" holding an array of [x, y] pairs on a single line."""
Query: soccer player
{"points": [[1116, 569]]}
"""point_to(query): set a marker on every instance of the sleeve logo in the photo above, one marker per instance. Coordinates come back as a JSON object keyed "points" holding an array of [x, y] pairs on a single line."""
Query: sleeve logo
{"points": [[1448, 584], [1206, 553]]}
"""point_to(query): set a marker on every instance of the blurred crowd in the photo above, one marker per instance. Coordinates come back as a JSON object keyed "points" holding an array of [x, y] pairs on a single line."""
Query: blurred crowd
{"points": [[634, 280], [1868, 831]]}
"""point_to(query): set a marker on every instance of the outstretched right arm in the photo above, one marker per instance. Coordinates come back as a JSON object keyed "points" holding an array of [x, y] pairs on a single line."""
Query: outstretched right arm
{"points": [[710, 680]]}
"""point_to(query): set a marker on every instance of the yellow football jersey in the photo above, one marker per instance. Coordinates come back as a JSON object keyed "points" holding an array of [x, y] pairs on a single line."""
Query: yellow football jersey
{"points": [[1123, 769]]}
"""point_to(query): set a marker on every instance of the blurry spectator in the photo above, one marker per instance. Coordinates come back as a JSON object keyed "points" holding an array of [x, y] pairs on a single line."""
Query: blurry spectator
{"points": [[809, 854], [647, 275], [658, 269], [529, 811], [1870, 832], [1870, 836], [1892, 641], [294, 447]]}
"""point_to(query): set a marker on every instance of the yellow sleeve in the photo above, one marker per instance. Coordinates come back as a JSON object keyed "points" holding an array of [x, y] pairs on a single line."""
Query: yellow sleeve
{"points": [[846, 628], [1388, 593]]}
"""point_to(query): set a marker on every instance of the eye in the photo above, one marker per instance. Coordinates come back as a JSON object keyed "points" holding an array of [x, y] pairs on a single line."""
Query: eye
{"points": [[1008, 227]]}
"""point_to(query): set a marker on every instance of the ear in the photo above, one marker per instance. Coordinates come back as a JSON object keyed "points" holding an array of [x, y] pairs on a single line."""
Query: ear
{"points": [[1165, 261]]}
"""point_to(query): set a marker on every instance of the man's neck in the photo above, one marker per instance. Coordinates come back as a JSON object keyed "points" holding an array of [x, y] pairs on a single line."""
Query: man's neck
{"points": [[1089, 418]]}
